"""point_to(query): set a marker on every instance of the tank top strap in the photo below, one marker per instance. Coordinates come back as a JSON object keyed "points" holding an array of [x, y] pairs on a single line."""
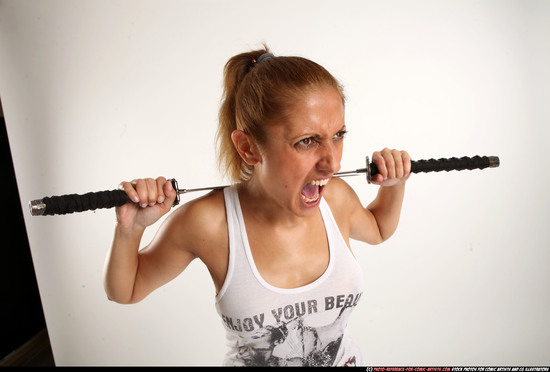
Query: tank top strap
{"points": [[332, 230], [234, 232]]}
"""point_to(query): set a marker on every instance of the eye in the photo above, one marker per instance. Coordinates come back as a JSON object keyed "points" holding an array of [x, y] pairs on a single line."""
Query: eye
{"points": [[306, 142], [340, 135]]}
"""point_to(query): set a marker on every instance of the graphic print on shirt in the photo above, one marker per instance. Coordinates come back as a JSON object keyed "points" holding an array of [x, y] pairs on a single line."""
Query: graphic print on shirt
{"points": [[291, 341]]}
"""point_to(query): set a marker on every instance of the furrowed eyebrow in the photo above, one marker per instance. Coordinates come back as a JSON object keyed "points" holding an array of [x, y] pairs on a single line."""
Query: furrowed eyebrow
{"points": [[304, 135], [315, 135], [343, 129]]}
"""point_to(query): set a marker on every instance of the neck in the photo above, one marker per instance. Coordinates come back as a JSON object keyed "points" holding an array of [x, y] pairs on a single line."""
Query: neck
{"points": [[263, 207]]}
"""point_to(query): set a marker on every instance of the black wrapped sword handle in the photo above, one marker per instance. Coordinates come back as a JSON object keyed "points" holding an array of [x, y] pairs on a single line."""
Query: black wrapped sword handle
{"points": [[443, 164], [71, 203]]}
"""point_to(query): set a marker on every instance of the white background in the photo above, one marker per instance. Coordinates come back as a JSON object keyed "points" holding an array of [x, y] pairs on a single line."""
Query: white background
{"points": [[96, 92]]}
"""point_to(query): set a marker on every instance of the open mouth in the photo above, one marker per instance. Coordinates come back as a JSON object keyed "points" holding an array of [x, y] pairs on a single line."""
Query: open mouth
{"points": [[312, 191]]}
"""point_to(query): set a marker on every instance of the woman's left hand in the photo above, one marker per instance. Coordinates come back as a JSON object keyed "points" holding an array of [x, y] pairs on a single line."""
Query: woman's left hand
{"points": [[394, 167]]}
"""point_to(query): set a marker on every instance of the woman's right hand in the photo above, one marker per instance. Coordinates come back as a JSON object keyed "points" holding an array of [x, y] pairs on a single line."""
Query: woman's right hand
{"points": [[152, 199]]}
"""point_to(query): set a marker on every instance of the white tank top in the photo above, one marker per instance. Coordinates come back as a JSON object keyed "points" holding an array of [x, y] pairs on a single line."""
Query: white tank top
{"points": [[267, 325]]}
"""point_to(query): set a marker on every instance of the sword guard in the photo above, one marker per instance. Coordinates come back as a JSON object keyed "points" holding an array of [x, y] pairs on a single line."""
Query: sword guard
{"points": [[176, 188], [369, 176]]}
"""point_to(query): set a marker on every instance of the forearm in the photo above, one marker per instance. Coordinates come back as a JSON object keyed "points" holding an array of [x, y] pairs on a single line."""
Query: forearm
{"points": [[122, 264], [386, 209]]}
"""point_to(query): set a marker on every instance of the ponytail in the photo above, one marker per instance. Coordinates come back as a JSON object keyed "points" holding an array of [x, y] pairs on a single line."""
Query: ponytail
{"points": [[229, 160]]}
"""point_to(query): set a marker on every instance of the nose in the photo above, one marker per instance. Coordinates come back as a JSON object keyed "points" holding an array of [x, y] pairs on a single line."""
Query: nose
{"points": [[329, 158]]}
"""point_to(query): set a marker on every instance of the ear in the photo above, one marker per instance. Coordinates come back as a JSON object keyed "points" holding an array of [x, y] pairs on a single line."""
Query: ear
{"points": [[245, 147]]}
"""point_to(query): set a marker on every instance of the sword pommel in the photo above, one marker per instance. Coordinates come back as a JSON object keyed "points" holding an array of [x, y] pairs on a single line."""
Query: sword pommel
{"points": [[494, 162]]}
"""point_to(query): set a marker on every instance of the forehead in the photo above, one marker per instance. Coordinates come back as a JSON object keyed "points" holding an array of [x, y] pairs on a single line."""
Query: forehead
{"points": [[317, 112]]}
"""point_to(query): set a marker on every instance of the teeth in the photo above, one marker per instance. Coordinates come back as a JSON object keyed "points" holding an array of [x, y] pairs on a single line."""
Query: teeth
{"points": [[320, 182], [308, 200], [316, 183]]}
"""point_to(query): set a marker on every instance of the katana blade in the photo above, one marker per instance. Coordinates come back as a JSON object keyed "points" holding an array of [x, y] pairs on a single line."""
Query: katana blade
{"points": [[356, 172]]}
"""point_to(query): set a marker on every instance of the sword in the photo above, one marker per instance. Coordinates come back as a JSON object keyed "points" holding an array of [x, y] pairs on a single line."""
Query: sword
{"points": [[71, 203]]}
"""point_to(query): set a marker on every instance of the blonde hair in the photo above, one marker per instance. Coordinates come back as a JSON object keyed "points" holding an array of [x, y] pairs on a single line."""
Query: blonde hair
{"points": [[259, 93]]}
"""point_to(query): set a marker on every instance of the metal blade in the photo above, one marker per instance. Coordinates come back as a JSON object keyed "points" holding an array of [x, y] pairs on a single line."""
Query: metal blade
{"points": [[356, 172], [184, 191]]}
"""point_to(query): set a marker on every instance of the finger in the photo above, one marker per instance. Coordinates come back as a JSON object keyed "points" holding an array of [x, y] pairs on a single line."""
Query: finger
{"points": [[141, 188], [407, 163], [170, 193], [161, 181], [378, 159], [398, 161], [130, 191], [387, 154], [152, 192], [378, 179]]}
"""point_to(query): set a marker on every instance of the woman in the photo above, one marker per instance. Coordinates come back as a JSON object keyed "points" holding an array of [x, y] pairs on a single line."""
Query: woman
{"points": [[276, 243]]}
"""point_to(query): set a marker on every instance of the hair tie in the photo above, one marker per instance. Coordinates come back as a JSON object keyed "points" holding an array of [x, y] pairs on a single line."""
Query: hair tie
{"points": [[264, 56]]}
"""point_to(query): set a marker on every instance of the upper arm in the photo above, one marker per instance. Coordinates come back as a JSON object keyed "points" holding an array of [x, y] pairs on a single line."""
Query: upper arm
{"points": [[354, 220], [188, 233]]}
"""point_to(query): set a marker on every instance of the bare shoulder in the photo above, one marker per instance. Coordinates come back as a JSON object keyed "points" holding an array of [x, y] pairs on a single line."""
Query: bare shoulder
{"points": [[340, 195], [199, 228], [343, 201], [199, 222]]}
